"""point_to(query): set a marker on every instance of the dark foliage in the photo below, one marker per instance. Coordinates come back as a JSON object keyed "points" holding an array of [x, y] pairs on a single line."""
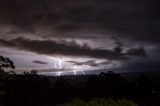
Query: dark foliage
{"points": [[6, 63], [35, 90]]}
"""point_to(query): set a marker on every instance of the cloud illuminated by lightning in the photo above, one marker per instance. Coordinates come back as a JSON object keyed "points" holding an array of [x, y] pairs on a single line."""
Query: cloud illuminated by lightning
{"points": [[59, 64], [61, 67], [58, 73], [81, 68]]}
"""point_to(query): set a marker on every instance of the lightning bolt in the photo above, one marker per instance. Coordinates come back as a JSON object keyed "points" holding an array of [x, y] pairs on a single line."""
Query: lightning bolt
{"points": [[59, 63], [78, 69], [83, 68]]}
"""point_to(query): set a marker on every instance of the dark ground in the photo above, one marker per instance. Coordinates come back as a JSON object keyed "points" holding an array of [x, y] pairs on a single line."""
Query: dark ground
{"points": [[34, 90]]}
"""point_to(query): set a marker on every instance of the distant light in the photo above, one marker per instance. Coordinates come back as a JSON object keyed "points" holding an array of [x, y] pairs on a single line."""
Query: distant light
{"points": [[58, 73]]}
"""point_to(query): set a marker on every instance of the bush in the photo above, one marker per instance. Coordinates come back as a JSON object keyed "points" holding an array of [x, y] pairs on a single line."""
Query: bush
{"points": [[100, 102]]}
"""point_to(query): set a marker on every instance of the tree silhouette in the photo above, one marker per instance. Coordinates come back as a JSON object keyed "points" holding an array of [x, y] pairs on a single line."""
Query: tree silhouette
{"points": [[6, 63], [34, 72]]}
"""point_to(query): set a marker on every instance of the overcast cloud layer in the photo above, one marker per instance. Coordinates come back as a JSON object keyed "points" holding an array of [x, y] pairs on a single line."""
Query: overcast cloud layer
{"points": [[118, 30]]}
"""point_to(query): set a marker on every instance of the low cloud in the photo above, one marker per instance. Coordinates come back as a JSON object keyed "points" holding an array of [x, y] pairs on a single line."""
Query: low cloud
{"points": [[50, 47], [39, 62], [92, 63], [137, 52]]}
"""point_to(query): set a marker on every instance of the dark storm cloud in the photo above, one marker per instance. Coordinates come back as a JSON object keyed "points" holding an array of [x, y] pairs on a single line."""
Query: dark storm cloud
{"points": [[139, 20], [49, 47], [6, 43], [39, 62], [90, 63], [137, 52]]}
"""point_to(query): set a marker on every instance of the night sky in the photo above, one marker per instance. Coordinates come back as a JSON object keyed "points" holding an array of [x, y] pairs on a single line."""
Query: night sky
{"points": [[81, 36]]}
